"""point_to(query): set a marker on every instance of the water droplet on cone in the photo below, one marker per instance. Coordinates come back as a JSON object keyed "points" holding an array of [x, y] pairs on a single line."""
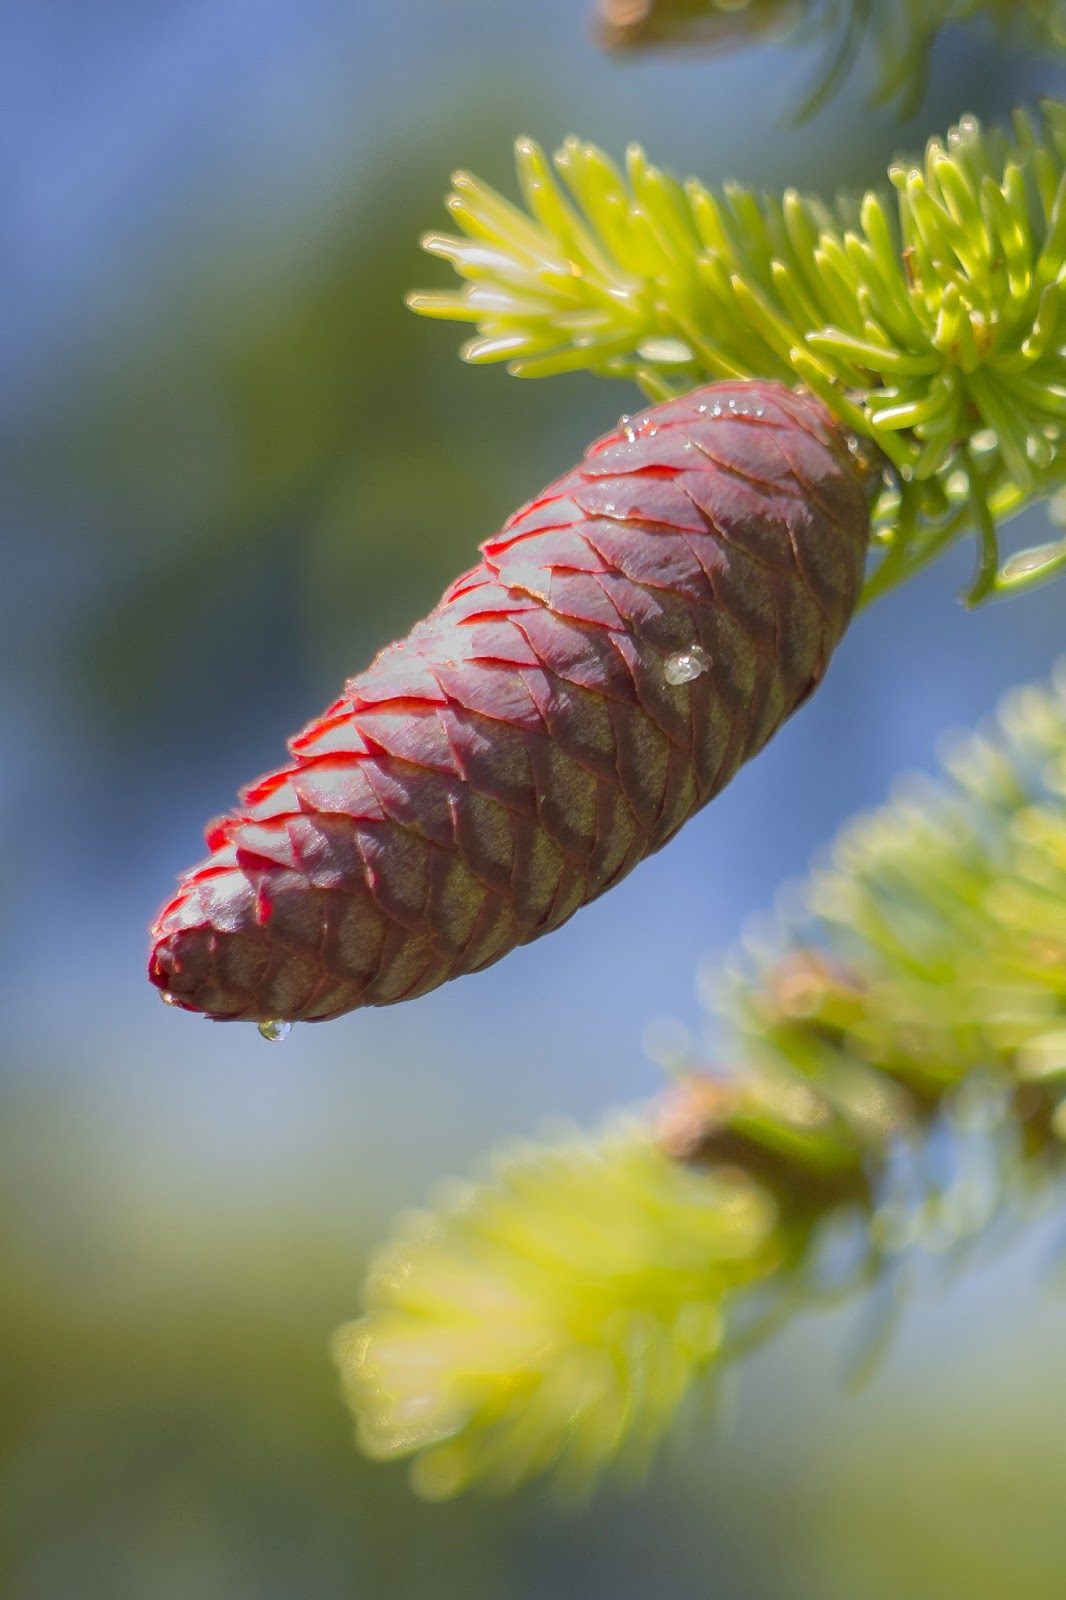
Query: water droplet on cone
{"points": [[273, 1031], [626, 429], [686, 665]]}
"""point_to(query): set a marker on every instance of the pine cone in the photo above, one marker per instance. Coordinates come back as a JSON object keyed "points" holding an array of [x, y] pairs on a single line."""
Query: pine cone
{"points": [[636, 24], [630, 637]]}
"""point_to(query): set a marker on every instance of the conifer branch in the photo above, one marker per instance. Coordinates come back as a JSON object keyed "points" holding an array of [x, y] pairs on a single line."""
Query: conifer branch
{"points": [[933, 325], [898, 1067], [901, 33]]}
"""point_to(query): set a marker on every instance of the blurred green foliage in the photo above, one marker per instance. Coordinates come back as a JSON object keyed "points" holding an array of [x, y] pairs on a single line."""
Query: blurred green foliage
{"points": [[896, 1073], [171, 1427]]}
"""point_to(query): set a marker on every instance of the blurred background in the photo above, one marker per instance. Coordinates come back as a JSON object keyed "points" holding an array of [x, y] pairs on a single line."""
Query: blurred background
{"points": [[233, 466]]}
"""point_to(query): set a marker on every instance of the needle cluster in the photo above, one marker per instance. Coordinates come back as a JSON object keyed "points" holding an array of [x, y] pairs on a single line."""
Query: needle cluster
{"points": [[929, 318]]}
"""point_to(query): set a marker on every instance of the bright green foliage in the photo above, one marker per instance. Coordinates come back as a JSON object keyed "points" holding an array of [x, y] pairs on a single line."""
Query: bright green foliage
{"points": [[934, 325], [552, 1315], [902, 32], [935, 941]]}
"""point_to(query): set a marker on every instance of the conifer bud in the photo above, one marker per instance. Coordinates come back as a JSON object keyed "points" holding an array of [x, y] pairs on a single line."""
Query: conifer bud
{"points": [[628, 640]]}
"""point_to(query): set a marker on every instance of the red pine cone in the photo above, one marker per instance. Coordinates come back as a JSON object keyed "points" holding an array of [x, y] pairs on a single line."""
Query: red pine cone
{"points": [[630, 637]]}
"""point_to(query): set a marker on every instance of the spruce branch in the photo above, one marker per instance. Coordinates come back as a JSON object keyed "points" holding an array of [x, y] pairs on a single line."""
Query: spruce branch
{"points": [[897, 1072], [551, 1315], [901, 33], [933, 325]]}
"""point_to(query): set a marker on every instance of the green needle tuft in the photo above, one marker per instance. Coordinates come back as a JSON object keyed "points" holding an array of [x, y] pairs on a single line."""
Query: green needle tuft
{"points": [[931, 319]]}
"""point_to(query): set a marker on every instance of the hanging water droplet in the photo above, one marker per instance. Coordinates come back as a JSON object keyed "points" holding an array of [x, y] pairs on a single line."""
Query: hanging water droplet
{"points": [[274, 1031], [626, 429], [167, 998], [686, 665]]}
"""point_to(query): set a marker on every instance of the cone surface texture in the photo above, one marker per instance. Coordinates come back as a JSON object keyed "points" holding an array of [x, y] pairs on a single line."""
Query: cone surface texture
{"points": [[628, 640]]}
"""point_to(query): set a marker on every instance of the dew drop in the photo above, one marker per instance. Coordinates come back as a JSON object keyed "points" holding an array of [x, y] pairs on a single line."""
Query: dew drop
{"points": [[686, 665], [634, 428], [274, 1031], [167, 998]]}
